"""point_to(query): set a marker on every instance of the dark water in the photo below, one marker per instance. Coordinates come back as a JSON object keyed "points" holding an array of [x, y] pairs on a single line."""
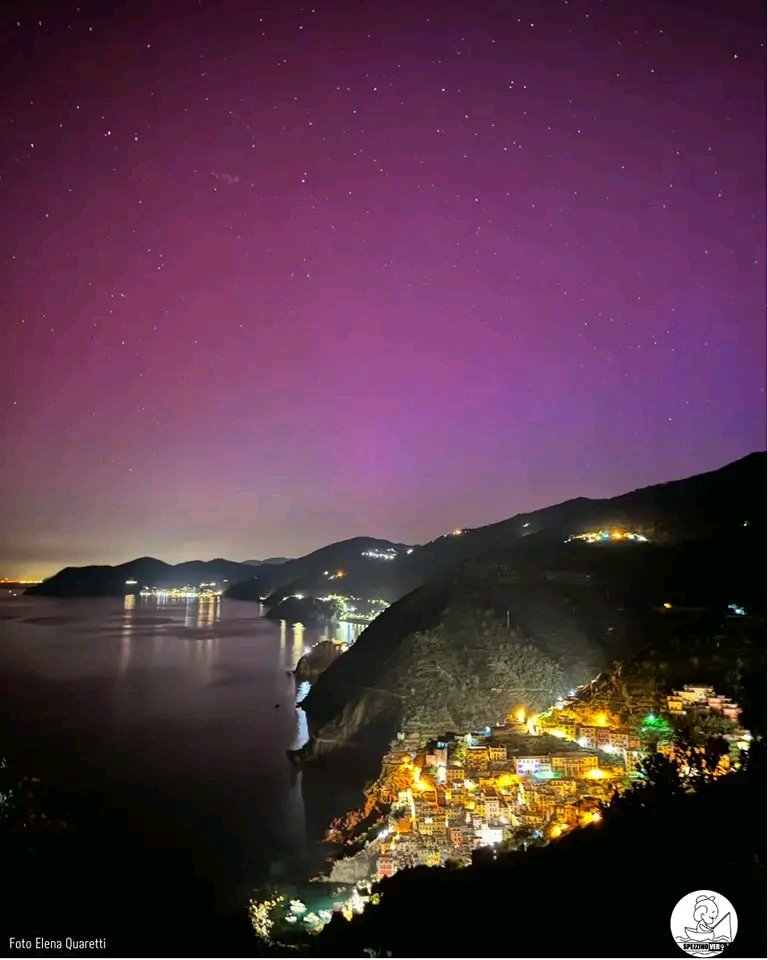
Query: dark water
{"points": [[165, 716]]}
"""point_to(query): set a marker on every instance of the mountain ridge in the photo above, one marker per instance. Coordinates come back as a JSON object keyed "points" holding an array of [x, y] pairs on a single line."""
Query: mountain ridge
{"points": [[517, 601], [390, 580], [104, 580], [662, 511]]}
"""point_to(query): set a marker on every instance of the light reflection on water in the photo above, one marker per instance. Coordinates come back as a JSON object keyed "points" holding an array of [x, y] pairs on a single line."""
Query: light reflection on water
{"points": [[199, 614], [179, 699], [299, 648], [345, 633], [126, 630]]}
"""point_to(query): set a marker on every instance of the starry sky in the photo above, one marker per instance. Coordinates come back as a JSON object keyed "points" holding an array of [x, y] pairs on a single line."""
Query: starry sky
{"points": [[277, 274]]}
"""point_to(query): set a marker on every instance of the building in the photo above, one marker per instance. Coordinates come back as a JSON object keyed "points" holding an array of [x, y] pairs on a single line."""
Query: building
{"points": [[558, 724], [477, 757], [731, 710], [490, 835], [385, 866], [675, 705], [574, 764], [701, 699], [457, 836], [597, 737], [425, 826], [437, 753], [529, 766], [563, 789], [492, 803]]}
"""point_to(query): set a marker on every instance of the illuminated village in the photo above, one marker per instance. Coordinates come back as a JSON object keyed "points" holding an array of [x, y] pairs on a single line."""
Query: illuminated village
{"points": [[203, 591], [357, 609], [533, 778], [608, 536], [349, 609]]}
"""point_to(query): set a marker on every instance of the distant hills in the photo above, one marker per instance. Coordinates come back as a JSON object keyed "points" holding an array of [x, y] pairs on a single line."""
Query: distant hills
{"points": [[250, 580], [269, 560], [515, 609], [106, 581], [371, 568], [360, 566], [665, 513]]}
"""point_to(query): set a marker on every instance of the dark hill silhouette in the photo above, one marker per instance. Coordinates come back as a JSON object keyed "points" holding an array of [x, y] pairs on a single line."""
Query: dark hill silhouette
{"points": [[529, 612], [107, 581], [269, 560], [666, 513], [362, 575]]}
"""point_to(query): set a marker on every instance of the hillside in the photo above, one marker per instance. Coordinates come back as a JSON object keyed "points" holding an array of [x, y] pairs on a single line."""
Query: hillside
{"points": [[664, 513], [269, 560], [107, 581], [358, 567], [533, 615], [380, 569]]}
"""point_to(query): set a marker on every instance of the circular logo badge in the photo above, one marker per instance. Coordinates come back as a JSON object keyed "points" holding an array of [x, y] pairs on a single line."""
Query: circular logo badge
{"points": [[703, 923]]}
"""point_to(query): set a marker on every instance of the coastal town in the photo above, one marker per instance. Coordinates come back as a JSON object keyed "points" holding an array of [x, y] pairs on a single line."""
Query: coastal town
{"points": [[200, 591], [532, 778], [608, 536], [351, 609]]}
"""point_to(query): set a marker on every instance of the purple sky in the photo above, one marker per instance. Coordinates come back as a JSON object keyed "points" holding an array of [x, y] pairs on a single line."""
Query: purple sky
{"points": [[279, 274]]}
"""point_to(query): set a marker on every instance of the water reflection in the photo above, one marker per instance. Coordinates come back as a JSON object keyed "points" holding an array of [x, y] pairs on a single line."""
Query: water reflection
{"points": [[189, 613], [296, 817], [347, 633], [343, 633], [177, 701], [203, 655], [126, 631], [208, 611], [158, 641]]}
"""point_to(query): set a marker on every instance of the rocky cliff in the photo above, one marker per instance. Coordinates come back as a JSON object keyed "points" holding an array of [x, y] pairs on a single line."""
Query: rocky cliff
{"points": [[317, 661]]}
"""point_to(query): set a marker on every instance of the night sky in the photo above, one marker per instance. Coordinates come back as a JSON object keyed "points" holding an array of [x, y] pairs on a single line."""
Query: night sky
{"points": [[276, 274]]}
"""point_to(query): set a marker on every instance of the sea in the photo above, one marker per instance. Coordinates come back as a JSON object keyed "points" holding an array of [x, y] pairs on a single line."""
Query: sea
{"points": [[173, 719]]}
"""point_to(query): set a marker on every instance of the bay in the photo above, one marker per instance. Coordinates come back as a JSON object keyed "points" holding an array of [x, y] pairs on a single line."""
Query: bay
{"points": [[173, 720]]}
